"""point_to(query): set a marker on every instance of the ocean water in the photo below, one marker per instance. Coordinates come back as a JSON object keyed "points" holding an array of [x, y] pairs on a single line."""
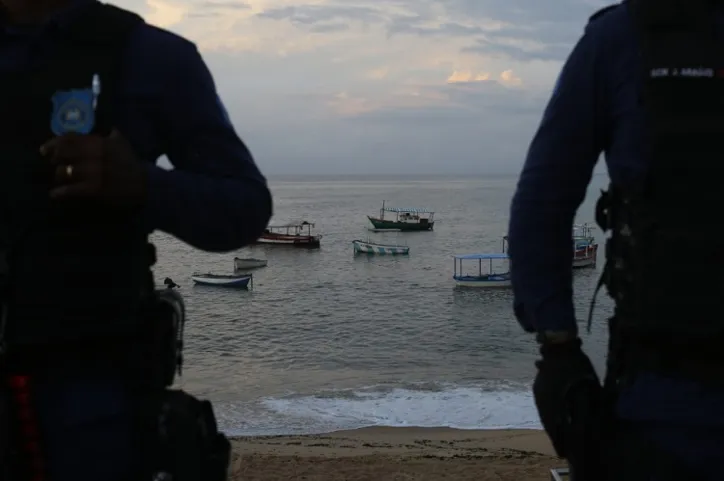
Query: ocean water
{"points": [[328, 341]]}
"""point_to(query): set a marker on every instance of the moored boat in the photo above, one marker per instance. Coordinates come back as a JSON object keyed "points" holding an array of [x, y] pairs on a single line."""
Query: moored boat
{"points": [[490, 279], [585, 248], [405, 219], [583, 234], [367, 247], [585, 255], [242, 264], [239, 281], [295, 235]]}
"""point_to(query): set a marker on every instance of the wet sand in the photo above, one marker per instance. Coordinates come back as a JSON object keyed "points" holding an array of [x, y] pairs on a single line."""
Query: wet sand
{"points": [[397, 454]]}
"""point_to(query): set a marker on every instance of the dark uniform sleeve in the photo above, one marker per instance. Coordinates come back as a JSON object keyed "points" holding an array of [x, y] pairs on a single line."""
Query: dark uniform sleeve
{"points": [[551, 187], [215, 199]]}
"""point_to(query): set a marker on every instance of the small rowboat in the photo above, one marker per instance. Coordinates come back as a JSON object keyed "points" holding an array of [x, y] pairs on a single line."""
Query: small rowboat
{"points": [[242, 264], [239, 281], [362, 247]]}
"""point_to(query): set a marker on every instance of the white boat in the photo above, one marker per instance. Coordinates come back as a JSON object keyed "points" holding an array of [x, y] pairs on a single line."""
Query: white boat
{"points": [[239, 281], [482, 279], [367, 247], [246, 263], [585, 248]]}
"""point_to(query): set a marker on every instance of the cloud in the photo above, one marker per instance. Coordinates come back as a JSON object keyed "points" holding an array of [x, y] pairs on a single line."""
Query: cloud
{"points": [[378, 73], [318, 17], [338, 85], [462, 77], [507, 78]]}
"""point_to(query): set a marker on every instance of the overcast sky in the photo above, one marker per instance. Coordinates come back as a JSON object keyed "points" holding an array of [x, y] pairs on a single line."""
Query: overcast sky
{"points": [[376, 86]]}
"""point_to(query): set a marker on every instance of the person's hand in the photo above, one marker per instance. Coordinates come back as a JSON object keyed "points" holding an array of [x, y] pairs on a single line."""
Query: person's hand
{"points": [[565, 373], [96, 168]]}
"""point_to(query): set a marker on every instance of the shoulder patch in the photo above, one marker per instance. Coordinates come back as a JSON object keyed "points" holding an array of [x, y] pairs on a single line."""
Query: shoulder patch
{"points": [[602, 12]]}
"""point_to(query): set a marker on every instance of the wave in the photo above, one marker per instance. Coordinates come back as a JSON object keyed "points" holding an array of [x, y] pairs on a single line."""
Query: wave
{"points": [[482, 406]]}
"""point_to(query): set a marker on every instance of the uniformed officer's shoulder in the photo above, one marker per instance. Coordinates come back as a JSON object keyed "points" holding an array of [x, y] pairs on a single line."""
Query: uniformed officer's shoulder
{"points": [[163, 51], [157, 39], [604, 11], [612, 20]]}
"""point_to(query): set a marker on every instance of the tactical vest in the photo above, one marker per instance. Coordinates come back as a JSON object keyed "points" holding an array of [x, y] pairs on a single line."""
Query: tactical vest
{"points": [[665, 260], [75, 269]]}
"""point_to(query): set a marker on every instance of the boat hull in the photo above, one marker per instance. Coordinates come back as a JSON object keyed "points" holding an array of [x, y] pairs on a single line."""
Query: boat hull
{"points": [[241, 282], [497, 281], [289, 240], [585, 256], [380, 224], [244, 264], [361, 247]]}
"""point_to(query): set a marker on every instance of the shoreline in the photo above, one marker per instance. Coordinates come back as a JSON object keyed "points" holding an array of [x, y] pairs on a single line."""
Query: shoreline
{"points": [[396, 453]]}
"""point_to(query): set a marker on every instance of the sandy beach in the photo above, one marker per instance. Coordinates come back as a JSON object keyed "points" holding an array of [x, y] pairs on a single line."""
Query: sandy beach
{"points": [[396, 454]]}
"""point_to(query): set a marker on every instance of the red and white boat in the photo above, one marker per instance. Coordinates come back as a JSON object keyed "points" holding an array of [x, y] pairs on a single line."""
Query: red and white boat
{"points": [[584, 255], [585, 248], [295, 235]]}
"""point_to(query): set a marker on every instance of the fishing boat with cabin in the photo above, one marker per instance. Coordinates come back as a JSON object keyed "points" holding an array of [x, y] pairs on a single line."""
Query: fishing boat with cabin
{"points": [[238, 281], [295, 235], [372, 248], [585, 248], [405, 219]]}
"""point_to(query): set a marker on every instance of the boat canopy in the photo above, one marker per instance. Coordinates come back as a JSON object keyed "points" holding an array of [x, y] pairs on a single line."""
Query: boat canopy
{"points": [[290, 225], [409, 210], [481, 256]]}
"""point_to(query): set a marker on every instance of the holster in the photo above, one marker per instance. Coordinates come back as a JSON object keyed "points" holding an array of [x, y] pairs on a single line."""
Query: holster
{"points": [[184, 443], [168, 316], [582, 431], [189, 446]]}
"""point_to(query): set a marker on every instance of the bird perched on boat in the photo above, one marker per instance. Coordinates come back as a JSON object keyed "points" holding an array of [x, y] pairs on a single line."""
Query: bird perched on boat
{"points": [[644, 84], [92, 97]]}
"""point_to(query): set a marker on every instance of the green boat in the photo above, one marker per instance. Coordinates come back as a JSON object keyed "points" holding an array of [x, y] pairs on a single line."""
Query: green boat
{"points": [[404, 219]]}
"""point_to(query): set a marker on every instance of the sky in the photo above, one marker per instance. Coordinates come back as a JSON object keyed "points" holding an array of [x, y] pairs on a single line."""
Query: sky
{"points": [[381, 86]]}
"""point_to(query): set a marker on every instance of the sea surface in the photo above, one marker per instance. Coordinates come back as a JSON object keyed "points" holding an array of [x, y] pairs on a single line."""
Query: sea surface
{"points": [[328, 341]]}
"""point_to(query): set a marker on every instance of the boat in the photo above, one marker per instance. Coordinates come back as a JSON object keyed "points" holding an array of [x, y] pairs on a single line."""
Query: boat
{"points": [[585, 255], [491, 279], [242, 264], [408, 219], [239, 281], [585, 248], [367, 247], [296, 235], [583, 234]]}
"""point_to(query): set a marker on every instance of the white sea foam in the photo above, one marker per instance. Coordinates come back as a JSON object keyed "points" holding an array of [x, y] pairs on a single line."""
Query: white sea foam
{"points": [[462, 407]]}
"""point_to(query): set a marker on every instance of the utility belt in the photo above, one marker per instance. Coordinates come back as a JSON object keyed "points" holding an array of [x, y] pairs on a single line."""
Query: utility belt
{"points": [[177, 433], [632, 353]]}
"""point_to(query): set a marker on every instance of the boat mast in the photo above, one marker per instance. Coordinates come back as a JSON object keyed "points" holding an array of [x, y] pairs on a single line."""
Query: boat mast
{"points": [[382, 210]]}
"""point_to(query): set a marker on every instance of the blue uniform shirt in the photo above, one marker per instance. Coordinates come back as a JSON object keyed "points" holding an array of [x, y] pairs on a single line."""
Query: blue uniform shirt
{"points": [[215, 199], [594, 109]]}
